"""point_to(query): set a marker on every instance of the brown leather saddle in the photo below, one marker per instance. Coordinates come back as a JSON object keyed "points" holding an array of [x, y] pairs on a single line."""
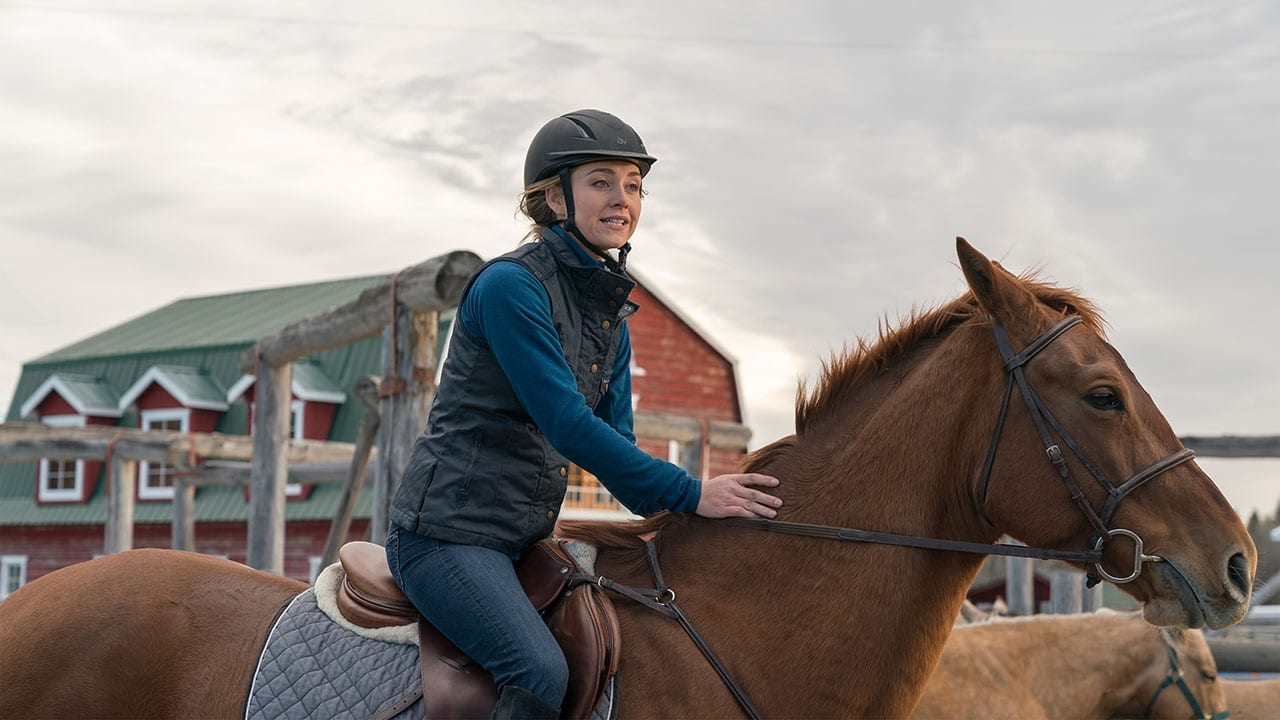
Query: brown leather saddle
{"points": [[580, 616]]}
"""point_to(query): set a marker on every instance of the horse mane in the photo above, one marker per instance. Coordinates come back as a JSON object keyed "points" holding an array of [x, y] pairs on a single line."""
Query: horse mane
{"points": [[629, 535], [840, 376], [850, 370]]}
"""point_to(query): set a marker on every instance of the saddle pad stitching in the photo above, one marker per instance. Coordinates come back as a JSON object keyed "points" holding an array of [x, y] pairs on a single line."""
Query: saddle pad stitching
{"points": [[257, 668], [315, 668]]}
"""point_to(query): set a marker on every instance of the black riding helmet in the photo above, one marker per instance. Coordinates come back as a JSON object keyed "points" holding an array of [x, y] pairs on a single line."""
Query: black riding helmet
{"points": [[581, 137]]}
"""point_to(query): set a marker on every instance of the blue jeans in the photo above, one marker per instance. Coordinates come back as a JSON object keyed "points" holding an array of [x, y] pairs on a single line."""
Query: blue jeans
{"points": [[472, 596]]}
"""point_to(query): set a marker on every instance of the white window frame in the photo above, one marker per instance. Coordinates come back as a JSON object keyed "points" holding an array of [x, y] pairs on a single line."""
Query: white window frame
{"points": [[7, 563], [145, 491], [47, 494]]}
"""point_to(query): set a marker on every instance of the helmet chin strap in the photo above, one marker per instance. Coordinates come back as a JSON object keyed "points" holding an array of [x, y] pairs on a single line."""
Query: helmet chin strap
{"points": [[619, 265]]}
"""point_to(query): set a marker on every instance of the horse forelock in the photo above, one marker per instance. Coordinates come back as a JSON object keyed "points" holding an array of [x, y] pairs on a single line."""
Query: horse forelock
{"points": [[845, 373]]}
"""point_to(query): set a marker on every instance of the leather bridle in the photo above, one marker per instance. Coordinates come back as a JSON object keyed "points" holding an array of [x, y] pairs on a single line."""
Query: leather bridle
{"points": [[1014, 364], [1044, 420]]}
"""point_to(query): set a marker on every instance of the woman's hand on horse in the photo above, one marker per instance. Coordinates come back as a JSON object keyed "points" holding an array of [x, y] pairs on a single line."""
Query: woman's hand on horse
{"points": [[733, 496]]}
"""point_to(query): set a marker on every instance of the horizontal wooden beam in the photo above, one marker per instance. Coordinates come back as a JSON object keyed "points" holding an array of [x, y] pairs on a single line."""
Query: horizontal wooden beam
{"points": [[681, 428], [430, 286], [28, 442], [1245, 655], [233, 472], [1237, 446]]}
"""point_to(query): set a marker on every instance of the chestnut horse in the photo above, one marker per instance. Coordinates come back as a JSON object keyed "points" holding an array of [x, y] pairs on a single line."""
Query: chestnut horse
{"points": [[909, 435], [1097, 665]]}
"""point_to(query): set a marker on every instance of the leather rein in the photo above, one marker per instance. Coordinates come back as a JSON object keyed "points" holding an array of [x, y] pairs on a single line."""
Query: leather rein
{"points": [[662, 598]]}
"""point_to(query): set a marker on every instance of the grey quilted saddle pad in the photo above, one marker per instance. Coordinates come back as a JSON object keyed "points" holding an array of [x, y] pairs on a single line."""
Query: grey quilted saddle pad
{"points": [[313, 668]]}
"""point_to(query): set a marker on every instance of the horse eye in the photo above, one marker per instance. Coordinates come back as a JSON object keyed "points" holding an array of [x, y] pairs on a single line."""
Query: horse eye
{"points": [[1105, 399], [1208, 675]]}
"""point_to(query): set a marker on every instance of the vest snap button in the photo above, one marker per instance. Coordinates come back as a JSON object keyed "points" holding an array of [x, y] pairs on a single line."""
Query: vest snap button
{"points": [[594, 368], [605, 324], [563, 471], [551, 514], [619, 291]]}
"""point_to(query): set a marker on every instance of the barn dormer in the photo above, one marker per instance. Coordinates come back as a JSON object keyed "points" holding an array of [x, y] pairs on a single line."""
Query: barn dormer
{"points": [[70, 400], [175, 398]]}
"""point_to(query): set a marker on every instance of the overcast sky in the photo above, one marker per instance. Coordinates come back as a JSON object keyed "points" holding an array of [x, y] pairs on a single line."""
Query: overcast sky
{"points": [[817, 160]]}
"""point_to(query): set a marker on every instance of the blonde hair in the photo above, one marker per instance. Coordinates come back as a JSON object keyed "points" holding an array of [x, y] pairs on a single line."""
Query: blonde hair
{"points": [[533, 205]]}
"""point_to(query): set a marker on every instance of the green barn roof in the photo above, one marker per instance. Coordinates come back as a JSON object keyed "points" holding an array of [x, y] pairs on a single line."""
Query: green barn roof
{"points": [[215, 320]]}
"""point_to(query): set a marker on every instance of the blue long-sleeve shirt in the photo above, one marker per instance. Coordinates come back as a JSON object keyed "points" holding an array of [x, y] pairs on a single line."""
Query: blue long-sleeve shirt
{"points": [[508, 309]]}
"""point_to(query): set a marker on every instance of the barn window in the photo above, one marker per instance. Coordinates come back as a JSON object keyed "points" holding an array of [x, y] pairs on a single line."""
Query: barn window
{"points": [[155, 480], [61, 479], [13, 574]]}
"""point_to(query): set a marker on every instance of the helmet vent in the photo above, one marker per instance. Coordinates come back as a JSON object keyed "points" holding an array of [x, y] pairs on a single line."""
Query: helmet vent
{"points": [[585, 131]]}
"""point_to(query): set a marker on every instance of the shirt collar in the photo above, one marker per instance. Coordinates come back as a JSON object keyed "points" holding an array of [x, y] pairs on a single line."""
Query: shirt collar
{"points": [[578, 251]]}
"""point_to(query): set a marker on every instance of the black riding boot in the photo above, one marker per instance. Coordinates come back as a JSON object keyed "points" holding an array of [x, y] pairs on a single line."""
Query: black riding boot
{"points": [[516, 703]]}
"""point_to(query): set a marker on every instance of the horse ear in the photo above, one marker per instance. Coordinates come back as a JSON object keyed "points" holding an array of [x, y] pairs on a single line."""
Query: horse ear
{"points": [[997, 291]]}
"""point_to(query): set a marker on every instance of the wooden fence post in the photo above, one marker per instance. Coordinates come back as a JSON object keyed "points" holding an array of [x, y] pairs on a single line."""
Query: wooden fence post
{"points": [[1064, 592], [270, 467], [366, 391], [119, 526], [184, 520], [407, 389], [1019, 584]]}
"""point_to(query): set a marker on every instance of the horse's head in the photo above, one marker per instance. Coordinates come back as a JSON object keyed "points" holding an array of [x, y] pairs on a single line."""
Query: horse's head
{"points": [[1180, 681], [1080, 428]]}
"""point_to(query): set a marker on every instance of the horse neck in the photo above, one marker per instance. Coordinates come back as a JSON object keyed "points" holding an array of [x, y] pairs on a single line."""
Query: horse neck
{"points": [[826, 599], [864, 622], [905, 452]]}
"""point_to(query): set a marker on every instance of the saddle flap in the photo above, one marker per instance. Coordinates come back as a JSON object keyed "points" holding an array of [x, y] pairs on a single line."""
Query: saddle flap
{"points": [[544, 571], [586, 626], [453, 685]]}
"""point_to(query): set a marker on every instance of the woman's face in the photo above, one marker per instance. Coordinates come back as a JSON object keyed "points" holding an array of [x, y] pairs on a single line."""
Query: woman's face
{"points": [[606, 201]]}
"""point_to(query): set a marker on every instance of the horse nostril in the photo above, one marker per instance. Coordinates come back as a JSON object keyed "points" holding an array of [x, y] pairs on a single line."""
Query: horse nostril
{"points": [[1238, 574]]}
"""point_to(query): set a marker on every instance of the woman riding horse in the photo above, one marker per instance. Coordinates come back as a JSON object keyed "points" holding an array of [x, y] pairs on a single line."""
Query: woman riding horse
{"points": [[538, 375]]}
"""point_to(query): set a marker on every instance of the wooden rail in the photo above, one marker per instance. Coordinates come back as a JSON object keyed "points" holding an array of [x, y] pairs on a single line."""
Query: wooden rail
{"points": [[1236, 446]]}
